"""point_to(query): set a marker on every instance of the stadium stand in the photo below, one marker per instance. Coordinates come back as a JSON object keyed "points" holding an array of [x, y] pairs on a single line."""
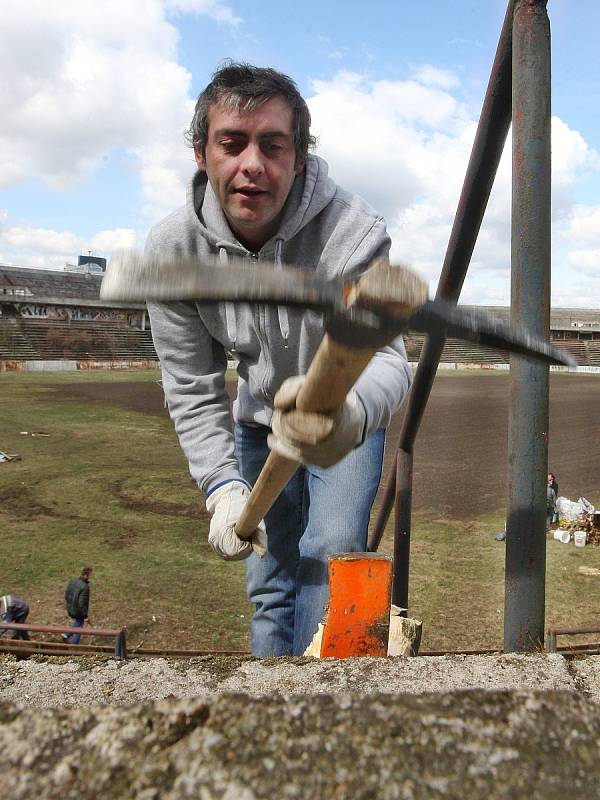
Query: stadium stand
{"points": [[13, 343], [51, 315], [592, 351], [455, 351], [99, 341]]}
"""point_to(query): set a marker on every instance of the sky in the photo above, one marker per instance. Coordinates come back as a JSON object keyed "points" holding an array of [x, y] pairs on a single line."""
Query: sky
{"points": [[96, 96]]}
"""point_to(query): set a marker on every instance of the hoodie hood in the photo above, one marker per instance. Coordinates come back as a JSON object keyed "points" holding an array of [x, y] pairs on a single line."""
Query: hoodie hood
{"points": [[311, 192]]}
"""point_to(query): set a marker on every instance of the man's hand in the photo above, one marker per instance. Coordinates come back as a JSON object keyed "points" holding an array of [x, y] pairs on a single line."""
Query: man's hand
{"points": [[225, 505], [317, 439]]}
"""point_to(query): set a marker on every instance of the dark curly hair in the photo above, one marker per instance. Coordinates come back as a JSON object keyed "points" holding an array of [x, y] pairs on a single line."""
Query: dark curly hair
{"points": [[244, 87]]}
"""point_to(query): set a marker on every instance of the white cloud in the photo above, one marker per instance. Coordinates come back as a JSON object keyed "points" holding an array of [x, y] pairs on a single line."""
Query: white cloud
{"points": [[584, 226], [432, 76], [573, 160], [83, 80], [587, 260], [50, 249], [387, 139], [115, 239], [578, 292], [43, 239], [405, 145], [217, 10], [579, 236]]}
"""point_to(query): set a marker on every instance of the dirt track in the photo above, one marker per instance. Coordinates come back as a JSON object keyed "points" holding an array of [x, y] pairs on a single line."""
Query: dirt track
{"points": [[461, 450]]}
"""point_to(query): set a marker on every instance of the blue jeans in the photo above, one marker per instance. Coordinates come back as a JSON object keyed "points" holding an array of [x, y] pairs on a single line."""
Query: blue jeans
{"points": [[321, 512], [75, 638]]}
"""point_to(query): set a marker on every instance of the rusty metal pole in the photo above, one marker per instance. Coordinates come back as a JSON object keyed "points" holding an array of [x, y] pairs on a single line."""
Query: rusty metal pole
{"points": [[404, 461], [530, 307]]}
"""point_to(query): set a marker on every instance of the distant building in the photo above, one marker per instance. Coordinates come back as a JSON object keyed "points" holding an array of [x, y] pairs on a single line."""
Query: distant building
{"points": [[93, 265]]}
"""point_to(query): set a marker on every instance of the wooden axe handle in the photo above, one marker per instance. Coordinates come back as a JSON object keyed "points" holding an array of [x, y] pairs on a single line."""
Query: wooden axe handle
{"points": [[332, 373]]}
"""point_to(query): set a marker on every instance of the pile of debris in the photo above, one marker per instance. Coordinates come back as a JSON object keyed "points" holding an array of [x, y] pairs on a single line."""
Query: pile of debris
{"points": [[590, 523], [6, 457]]}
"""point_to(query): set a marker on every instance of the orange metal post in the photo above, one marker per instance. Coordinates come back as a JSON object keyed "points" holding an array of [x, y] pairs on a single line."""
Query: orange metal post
{"points": [[358, 617]]}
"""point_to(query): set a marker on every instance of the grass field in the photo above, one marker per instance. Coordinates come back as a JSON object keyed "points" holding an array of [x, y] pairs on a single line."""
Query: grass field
{"points": [[110, 488]]}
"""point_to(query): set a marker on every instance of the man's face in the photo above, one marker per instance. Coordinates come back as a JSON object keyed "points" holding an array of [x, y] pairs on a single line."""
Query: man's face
{"points": [[250, 163]]}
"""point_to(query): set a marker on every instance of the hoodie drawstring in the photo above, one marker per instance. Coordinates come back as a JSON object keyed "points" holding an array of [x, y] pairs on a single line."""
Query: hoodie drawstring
{"points": [[229, 307], [282, 312]]}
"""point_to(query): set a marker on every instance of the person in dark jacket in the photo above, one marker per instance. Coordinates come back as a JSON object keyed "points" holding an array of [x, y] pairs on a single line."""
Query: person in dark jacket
{"points": [[550, 505], [14, 609], [77, 601], [553, 484]]}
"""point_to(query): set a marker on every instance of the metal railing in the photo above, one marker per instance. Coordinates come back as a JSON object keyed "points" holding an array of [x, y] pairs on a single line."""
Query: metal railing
{"points": [[118, 634], [584, 649]]}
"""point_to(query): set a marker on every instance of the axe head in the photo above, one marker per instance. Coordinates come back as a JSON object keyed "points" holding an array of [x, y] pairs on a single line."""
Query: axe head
{"points": [[364, 313]]}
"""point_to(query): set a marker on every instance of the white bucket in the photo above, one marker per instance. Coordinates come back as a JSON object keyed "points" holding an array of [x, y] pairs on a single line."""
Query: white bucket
{"points": [[565, 537], [557, 534], [580, 538]]}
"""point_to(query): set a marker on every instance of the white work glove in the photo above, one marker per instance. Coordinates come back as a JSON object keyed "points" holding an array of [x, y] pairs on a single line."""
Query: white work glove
{"points": [[317, 439], [225, 505]]}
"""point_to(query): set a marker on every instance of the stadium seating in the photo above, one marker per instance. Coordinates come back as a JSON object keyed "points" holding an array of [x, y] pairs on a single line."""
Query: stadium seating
{"points": [[457, 351], [48, 340], [592, 353], [25, 338], [14, 345]]}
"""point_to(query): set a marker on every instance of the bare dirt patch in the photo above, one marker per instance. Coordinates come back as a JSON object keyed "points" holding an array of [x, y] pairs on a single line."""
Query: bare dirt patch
{"points": [[146, 505], [21, 502], [461, 450]]}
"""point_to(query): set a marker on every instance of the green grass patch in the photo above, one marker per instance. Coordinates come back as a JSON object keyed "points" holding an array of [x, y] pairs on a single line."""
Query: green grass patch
{"points": [[457, 582], [110, 488]]}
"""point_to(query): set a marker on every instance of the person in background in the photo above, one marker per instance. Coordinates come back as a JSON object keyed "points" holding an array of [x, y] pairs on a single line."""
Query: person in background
{"points": [[14, 609], [77, 601], [550, 503], [553, 483]]}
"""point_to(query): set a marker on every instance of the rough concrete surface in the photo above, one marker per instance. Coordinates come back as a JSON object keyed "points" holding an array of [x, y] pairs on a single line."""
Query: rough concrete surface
{"points": [[506, 726], [76, 681]]}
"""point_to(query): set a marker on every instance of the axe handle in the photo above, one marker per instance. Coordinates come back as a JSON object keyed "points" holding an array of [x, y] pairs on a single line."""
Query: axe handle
{"points": [[332, 373]]}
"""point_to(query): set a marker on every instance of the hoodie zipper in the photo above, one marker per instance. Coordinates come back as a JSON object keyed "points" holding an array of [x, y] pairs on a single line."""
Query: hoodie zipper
{"points": [[264, 341]]}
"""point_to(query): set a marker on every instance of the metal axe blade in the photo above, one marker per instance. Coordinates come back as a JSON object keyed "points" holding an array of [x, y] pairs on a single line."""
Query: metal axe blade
{"points": [[132, 277], [440, 317]]}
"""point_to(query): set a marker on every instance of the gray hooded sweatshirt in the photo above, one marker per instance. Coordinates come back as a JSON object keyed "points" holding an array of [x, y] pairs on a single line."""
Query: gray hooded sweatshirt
{"points": [[324, 228]]}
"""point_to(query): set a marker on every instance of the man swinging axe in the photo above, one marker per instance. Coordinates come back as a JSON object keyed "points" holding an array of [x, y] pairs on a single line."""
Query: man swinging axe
{"points": [[213, 271]]}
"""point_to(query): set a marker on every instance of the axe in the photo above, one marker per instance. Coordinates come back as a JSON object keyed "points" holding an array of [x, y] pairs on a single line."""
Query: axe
{"points": [[360, 315]]}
